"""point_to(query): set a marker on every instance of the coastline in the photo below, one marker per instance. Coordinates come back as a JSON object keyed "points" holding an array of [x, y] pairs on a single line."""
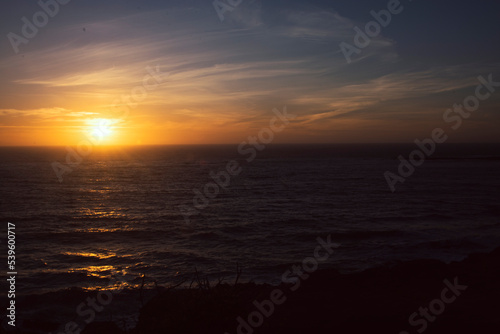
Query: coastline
{"points": [[408, 297], [463, 295]]}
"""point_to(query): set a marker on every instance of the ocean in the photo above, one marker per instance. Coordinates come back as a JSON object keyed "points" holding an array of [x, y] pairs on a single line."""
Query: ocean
{"points": [[115, 220]]}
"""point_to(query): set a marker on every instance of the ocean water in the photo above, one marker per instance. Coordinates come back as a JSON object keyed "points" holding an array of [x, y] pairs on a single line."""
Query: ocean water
{"points": [[116, 216]]}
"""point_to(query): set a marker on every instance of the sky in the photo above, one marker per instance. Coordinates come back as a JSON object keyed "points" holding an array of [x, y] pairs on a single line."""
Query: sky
{"points": [[172, 72]]}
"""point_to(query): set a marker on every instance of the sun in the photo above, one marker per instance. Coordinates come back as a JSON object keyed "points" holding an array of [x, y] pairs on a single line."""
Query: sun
{"points": [[100, 129]]}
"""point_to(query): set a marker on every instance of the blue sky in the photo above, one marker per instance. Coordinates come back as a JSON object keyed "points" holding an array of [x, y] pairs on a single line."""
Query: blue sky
{"points": [[224, 77]]}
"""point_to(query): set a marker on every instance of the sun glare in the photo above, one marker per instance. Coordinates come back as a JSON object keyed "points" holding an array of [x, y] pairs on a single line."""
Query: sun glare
{"points": [[101, 129]]}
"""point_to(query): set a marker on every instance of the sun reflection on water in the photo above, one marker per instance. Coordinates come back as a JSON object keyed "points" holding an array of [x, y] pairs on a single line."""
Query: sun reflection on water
{"points": [[102, 229], [106, 276], [91, 255]]}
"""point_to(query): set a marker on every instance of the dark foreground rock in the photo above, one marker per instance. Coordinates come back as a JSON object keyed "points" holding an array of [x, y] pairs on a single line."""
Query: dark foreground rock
{"points": [[461, 297], [424, 296]]}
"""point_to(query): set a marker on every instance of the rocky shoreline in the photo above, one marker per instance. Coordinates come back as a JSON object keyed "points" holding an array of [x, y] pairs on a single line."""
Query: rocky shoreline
{"points": [[411, 297], [422, 296]]}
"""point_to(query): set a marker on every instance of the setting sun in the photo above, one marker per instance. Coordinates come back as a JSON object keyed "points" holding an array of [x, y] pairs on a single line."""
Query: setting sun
{"points": [[101, 129], [188, 166]]}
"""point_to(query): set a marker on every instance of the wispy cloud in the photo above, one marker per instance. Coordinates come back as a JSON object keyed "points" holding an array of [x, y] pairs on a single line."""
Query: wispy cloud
{"points": [[221, 75]]}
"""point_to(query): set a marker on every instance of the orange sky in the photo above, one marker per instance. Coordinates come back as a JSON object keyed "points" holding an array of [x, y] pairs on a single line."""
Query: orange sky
{"points": [[197, 80]]}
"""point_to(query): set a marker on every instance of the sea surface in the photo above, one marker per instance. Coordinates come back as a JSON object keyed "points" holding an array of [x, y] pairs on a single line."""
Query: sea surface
{"points": [[114, 220]]}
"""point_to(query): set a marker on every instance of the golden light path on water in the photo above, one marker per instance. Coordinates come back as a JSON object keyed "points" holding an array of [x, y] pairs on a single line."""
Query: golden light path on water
{"points": [[90, 255], [116, 276]]}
